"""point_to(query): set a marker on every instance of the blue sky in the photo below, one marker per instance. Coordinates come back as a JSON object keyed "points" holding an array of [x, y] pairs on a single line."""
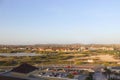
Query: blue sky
{"points": [[59, 21]]}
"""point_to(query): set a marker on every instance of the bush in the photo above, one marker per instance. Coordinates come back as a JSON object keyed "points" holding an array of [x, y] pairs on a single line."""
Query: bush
{"points": [[70, 76]]}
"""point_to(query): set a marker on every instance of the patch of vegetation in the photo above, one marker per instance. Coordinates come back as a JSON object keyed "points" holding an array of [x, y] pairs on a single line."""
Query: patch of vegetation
{"points": [[70, 76]]}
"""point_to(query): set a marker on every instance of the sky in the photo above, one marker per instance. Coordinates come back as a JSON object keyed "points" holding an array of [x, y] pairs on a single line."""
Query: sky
{"points": [[59, 21]]}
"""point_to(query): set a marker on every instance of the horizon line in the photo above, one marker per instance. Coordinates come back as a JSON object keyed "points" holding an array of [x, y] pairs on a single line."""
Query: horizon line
{"points": [[66, 44]]}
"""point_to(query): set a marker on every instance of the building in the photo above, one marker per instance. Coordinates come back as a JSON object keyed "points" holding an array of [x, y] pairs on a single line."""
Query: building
{"points": [[24, 70], [115, 69]]}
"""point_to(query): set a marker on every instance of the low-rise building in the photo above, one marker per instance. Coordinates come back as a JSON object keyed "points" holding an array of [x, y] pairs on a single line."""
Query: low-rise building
{"points": [[24, 70], [115, 69]]}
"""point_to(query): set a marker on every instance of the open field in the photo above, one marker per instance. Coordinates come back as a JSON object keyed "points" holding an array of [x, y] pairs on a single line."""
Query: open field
{"points": [[81, 58], [107, 58]]}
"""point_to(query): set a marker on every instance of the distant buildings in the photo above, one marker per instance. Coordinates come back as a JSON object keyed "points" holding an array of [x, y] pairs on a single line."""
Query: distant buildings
{"points": [[101, 48], [76, 49], [56, 48]]}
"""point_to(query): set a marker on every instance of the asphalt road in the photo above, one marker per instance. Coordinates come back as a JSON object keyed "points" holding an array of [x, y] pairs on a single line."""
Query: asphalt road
{"points": [[82, 77], [99, 76]]}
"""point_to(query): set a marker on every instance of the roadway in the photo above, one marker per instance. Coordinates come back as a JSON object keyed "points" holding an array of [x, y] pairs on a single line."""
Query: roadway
{"points": [[82, 77], [99, 76]]}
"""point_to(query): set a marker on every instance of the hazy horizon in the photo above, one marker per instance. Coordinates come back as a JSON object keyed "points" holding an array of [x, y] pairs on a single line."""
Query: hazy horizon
{"points": [[59, 22]]}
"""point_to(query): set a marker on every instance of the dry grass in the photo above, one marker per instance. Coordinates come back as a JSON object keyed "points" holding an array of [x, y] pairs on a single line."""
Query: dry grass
{"points": [[106, 58]]}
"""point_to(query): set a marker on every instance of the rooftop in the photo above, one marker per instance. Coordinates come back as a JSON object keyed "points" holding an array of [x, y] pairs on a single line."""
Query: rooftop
{"points": [[24, 68]]}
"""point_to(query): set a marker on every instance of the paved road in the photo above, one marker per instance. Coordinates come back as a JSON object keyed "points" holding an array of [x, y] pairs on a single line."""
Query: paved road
{"points": [[82, 77], [99, 76]]}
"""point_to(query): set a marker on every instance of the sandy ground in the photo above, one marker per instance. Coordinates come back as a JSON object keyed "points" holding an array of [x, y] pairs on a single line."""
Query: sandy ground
{"points": [[107, 58]]}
